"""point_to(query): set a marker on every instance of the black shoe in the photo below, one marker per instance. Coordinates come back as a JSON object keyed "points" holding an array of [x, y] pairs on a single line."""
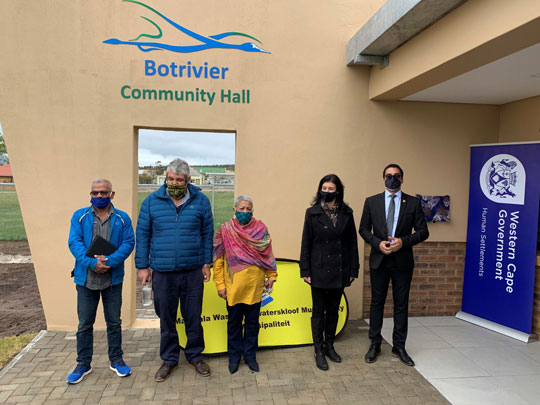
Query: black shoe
{"points": [[372, 353], [253, 365], [164, 372], [201, 368], [331, 353], [320, 360], [233, 366], [403, 356]]}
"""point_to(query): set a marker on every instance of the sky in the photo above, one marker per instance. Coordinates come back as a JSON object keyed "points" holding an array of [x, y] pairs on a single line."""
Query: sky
{"points": [[197, 148]]}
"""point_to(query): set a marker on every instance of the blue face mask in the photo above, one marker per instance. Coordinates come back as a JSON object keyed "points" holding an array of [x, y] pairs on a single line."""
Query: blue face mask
{"points": [[243, 217], [100, 202]]}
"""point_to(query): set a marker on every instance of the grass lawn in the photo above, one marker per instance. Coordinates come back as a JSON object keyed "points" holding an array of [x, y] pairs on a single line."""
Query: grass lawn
{"points": [[11, 222], [10, 346]]}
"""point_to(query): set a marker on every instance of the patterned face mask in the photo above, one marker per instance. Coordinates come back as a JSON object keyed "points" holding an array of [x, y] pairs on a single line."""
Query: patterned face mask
{"points": [[243, 217], [177, 191]]}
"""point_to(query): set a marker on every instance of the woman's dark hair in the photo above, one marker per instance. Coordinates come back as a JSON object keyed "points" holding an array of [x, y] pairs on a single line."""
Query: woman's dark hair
{"points": [[332, 178]]}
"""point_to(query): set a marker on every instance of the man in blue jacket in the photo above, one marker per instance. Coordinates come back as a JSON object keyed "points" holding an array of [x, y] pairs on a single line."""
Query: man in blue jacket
{"points": [[174, 239], [99, 276]]}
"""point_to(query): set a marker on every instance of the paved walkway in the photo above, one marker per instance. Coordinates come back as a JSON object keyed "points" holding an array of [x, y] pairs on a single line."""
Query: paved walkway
{"points": [[287, 376]]}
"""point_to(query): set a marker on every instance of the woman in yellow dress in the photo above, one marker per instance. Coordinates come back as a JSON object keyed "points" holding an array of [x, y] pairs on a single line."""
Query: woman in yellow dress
{"points": [[244, 265]]}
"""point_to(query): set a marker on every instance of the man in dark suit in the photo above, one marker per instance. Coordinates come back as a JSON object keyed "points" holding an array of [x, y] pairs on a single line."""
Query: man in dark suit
{"points": [[387, 225]]}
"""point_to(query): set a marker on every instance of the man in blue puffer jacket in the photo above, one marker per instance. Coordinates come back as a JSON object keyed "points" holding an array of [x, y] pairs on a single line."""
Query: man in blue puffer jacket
{"points": [[174, 239], [99, 276]]}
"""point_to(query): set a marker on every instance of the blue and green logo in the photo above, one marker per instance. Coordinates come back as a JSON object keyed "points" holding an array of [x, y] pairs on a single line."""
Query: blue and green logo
{"points": [[205, 42]]}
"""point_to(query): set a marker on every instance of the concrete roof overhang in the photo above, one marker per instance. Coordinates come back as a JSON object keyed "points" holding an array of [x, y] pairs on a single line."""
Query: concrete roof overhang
{"points": [[392, 25], [479, 51]]}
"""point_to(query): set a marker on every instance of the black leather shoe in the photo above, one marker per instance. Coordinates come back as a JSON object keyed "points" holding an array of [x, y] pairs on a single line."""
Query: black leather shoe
{"points": [[253, 365], [164, 372], [330, 352], [201, 368], [403, 356], [320, 360], [233, 367], [372, 353]]}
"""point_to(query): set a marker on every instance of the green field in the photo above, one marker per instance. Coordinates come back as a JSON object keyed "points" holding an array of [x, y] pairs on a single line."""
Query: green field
{"points": [[12, 227], [11, 222]]}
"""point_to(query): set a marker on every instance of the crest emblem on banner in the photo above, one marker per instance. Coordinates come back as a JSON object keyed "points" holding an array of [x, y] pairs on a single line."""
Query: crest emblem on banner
{"points": [[502, 179]]}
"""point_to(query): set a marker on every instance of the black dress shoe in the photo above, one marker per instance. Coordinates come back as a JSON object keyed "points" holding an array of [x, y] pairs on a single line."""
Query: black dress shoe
{"points": [[320, 360], [201, 368], [372, 353], [403, 356], [253, 365], [330, 352], [233, 366], [164, 372]]}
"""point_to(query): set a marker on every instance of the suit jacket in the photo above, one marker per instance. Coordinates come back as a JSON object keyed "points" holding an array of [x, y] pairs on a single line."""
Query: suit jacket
{"points": [[373, 229], [329, 254]]}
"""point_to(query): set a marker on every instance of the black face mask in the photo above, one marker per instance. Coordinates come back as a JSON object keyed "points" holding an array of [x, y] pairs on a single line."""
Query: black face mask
{"points": [[392, 183], [327, 197]]}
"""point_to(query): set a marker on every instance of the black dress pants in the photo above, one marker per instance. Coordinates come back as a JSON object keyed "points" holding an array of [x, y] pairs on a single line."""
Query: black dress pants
{"points": [[401, 284]]}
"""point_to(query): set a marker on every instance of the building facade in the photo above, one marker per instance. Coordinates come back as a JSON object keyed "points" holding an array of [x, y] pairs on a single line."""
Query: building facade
{"points": [[80, 79]]}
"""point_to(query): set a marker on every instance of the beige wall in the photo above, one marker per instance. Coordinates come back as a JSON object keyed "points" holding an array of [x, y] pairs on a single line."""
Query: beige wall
{"points": [[65, 122], [520, 121]]}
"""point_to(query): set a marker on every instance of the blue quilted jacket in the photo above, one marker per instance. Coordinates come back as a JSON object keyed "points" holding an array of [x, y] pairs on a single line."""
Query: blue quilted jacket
{"points": [[80, 238], [167, 240]]}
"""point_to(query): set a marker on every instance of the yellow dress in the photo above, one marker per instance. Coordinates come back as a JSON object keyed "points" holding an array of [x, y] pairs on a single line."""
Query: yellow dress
{"points": [[246, 286]]}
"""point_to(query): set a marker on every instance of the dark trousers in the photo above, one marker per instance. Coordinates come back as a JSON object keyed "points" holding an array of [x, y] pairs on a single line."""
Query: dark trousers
{"points": [[87, 303], [325, 314], [401, 284], [243, 338], [186, 286]]}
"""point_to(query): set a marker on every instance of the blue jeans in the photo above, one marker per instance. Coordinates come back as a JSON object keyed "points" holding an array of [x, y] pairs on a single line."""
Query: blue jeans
{"points": [[186, 286], [87, 303], [243, 331]]}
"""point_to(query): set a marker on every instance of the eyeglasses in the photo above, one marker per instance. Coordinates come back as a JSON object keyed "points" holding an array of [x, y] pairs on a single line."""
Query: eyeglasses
{"points": [[101, 192], [389, 176]]}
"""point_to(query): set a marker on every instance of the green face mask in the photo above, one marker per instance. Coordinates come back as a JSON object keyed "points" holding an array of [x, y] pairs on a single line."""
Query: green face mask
{"points": [[177, 191]]}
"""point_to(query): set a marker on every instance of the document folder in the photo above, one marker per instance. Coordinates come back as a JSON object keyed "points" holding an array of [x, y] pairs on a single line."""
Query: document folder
{"points": [[100, 246]]}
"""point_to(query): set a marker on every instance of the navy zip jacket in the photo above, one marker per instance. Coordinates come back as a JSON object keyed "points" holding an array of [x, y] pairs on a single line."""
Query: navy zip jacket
{"points": [[167, 240]]}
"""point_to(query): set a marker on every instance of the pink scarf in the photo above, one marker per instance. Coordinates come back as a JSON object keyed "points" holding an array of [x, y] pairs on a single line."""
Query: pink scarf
{"points": [[244, 245]]}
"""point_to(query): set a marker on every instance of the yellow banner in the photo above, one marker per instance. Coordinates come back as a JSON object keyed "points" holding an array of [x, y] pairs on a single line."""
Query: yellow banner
{"points": [[284, 321]]}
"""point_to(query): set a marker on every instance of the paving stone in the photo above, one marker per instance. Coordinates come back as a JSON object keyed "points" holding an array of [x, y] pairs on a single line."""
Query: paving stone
{"points": [[287, 376], [4, 395], [13, 399]]}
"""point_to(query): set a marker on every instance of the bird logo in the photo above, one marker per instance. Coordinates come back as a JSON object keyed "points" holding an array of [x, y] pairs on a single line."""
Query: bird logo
{"points": [[204, 42]]}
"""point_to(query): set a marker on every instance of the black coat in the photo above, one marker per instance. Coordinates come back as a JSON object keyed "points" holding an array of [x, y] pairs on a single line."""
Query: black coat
{"points": [[373, 229], [329, 254]]}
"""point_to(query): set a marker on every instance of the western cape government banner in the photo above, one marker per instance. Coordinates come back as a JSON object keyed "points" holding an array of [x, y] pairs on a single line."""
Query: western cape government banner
{"points": [[502, 235], [285, 318]]}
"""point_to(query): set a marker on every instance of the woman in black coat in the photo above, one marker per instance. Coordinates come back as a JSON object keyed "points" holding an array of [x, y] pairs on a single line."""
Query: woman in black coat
{"points": [[328, 262]]}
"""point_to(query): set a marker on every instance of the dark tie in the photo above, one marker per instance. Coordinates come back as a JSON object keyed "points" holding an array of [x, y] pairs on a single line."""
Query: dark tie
{"points": [[390, 217]]}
